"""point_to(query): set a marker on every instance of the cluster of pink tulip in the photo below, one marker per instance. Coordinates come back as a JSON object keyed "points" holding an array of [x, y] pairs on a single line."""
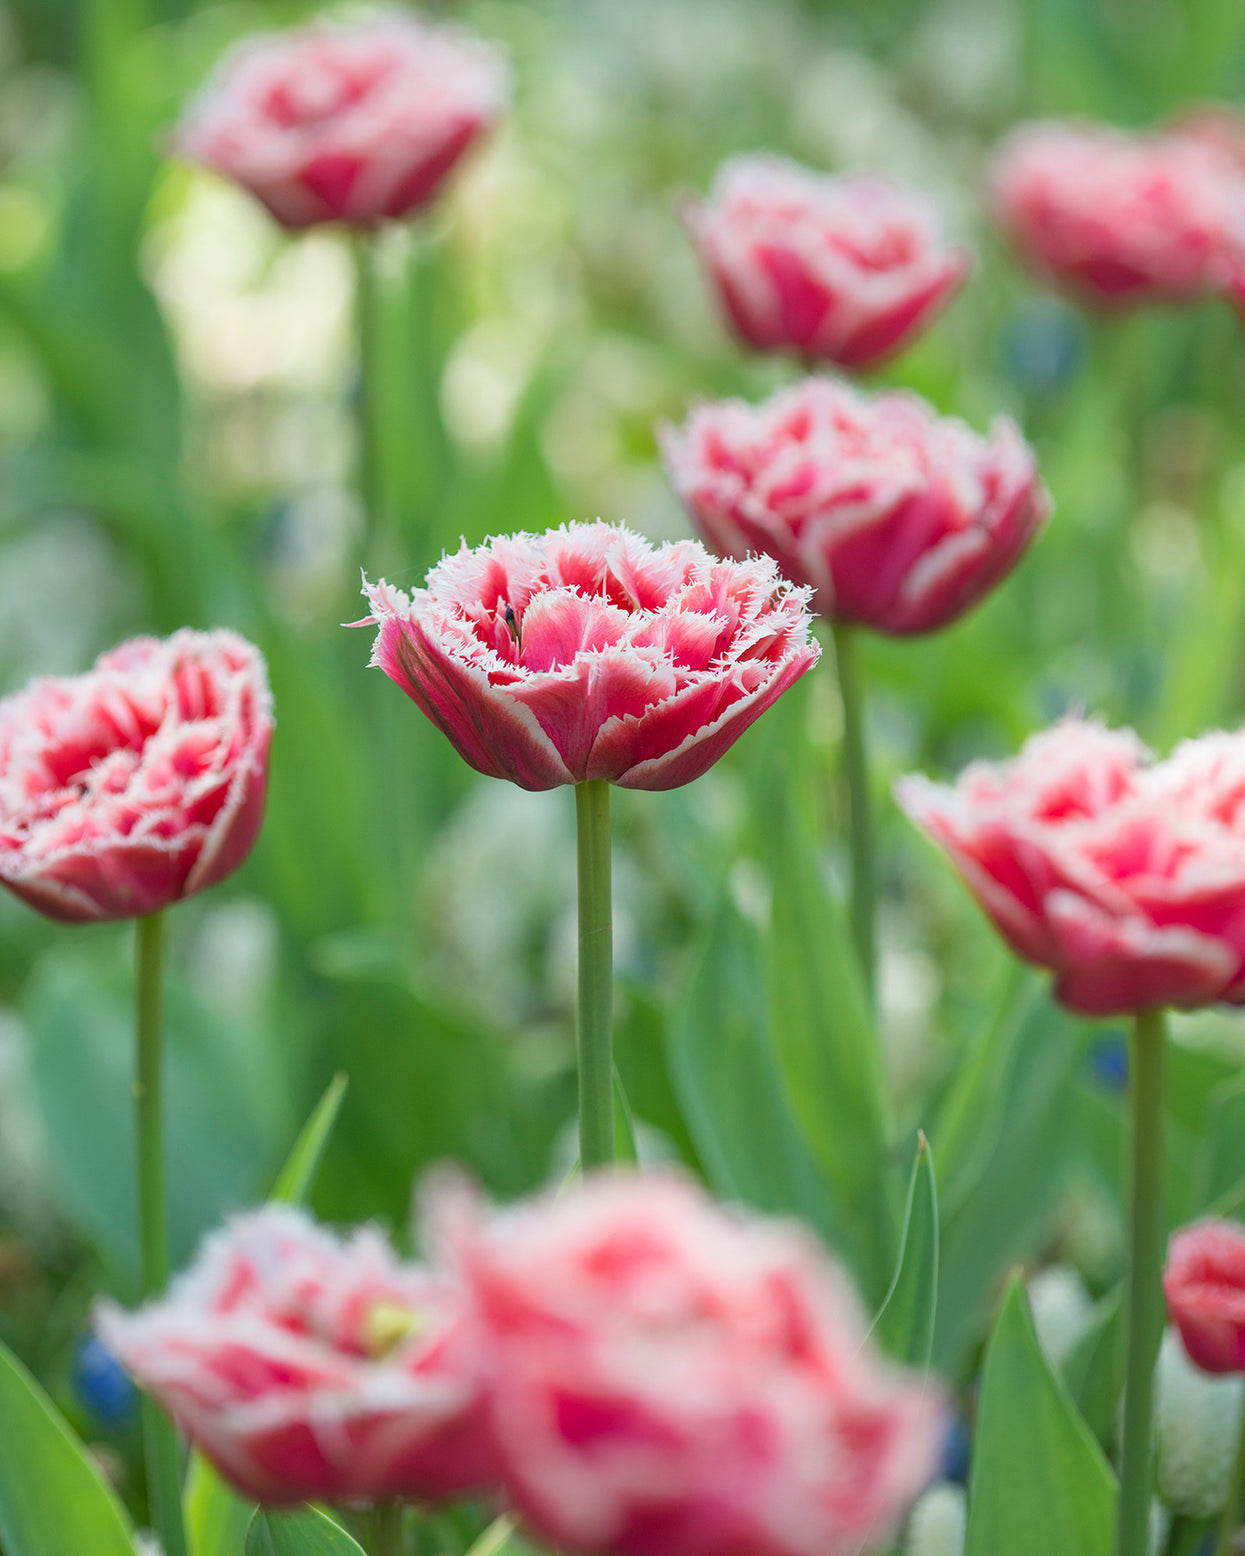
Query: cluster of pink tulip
{"points": [[637, 1371]]}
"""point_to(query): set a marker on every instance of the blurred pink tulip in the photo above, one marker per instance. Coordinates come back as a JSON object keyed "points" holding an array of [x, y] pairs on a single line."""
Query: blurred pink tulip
{"points": [[305, 1366], [1125, 878], [1122, 219], [897, 518], [668, 1378], [138, 783], [844, 269], [357, 123], [1204, 1284], [588, 653]]}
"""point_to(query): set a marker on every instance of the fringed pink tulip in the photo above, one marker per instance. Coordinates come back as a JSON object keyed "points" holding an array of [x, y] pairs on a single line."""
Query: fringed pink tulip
{"points": [[844, 269], [1122, 219], [670, 1379], [138, 783], [307, 1367], [897, 518], [1126, 878], [357, 123], [1204, 1284], [588, 653]]}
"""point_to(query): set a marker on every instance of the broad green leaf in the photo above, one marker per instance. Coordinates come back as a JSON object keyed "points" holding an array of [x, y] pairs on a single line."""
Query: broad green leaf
{"points": [[1039, 1480], [723, 1073], [295, 1180], [624, 1125], [216, 1517], [905, 1324], [826, 1046], [307, 1532], [53, 1500], [1093, 1369]]}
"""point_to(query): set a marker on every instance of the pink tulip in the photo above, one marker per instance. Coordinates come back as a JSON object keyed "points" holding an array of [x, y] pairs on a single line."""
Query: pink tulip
{"points": [[305, 1366], [1122, 219], [844, 269], [1204, 1284], [667, 1378], [138, 783], [354, 123], [588, 653], [1125, 878], [896, 518]]}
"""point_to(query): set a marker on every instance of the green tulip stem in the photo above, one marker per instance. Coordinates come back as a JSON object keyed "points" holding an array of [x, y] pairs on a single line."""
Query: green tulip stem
{"points": [[387, 1529], [856, 772], [595, 1026], [159, 1439], [370, 483], [1144, 1311]]}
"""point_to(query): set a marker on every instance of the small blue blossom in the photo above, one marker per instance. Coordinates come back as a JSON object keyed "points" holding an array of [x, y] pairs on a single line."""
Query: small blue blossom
{"points": [[101, 1383]]}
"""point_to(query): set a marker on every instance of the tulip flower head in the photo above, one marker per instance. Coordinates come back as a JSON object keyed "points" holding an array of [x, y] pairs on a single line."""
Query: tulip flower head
{"points": [[1124, 876], [898, 519], [588, 653], [358, 123], [667, 1378], [138, 783], [1204, 1284], [306, 1366], [1121, 219], [845, 269]]}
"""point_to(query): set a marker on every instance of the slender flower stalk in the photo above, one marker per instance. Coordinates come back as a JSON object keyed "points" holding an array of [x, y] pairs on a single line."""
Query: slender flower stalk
{"points": [[1231, 1517], [387, 1529], [595, 1026], [1144, 1312], [856, 773], [367, 402], [159, 1439]]}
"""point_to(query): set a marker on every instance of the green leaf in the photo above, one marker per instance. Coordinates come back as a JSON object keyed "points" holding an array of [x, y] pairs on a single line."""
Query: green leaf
{"points": [[53, 1501], [295, 1180], [624, 1125], [1093, 1369], [905, 1323], [723, 1072], [1039, 1480], [825, 1044], [307, 1532], [216, 1517]]}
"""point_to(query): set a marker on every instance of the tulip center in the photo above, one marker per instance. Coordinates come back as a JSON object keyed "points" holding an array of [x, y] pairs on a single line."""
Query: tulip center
{"points": [[387, 1325]]}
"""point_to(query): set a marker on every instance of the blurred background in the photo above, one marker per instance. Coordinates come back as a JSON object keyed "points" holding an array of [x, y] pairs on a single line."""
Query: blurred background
{"points": [[177, 445]]}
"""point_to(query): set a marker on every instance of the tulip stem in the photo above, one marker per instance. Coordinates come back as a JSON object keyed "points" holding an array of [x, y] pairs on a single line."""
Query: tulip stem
{"points": [[595, 1029], [1144, 1312], [1230, 1521], [370, 484], [387, 1529], [856, 771], [159, 1439]]}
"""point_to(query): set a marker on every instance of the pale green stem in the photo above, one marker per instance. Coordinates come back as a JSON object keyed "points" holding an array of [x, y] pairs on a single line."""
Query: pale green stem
{"points": [[595, 1034], [370, 484], [387, 1529], [1144, 1311], [159, 1439], [856, 772]]}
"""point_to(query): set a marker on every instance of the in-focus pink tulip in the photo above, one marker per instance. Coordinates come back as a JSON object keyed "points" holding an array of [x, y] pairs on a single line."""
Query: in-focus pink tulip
{"points": [[305, 1366], [357, 123], [138, 783], [1122, 219], [1125, 877], [1204, 1284], [670, 1379], [897, 518], [588, 653], [845, 269]]}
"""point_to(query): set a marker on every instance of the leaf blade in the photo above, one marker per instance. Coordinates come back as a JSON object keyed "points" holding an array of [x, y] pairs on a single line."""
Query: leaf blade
{"points": [[905, 1321], [307, 1532]]}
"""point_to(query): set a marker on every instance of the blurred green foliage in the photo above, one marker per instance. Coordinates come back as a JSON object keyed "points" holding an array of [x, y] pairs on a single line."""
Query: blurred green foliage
{"points": [[177, 385]]}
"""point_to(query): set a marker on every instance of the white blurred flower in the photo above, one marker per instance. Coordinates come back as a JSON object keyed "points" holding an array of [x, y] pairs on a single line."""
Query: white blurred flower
{"points": [[1062, 1308], [233, 956], [938, 1523], [1197, 1425]]}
